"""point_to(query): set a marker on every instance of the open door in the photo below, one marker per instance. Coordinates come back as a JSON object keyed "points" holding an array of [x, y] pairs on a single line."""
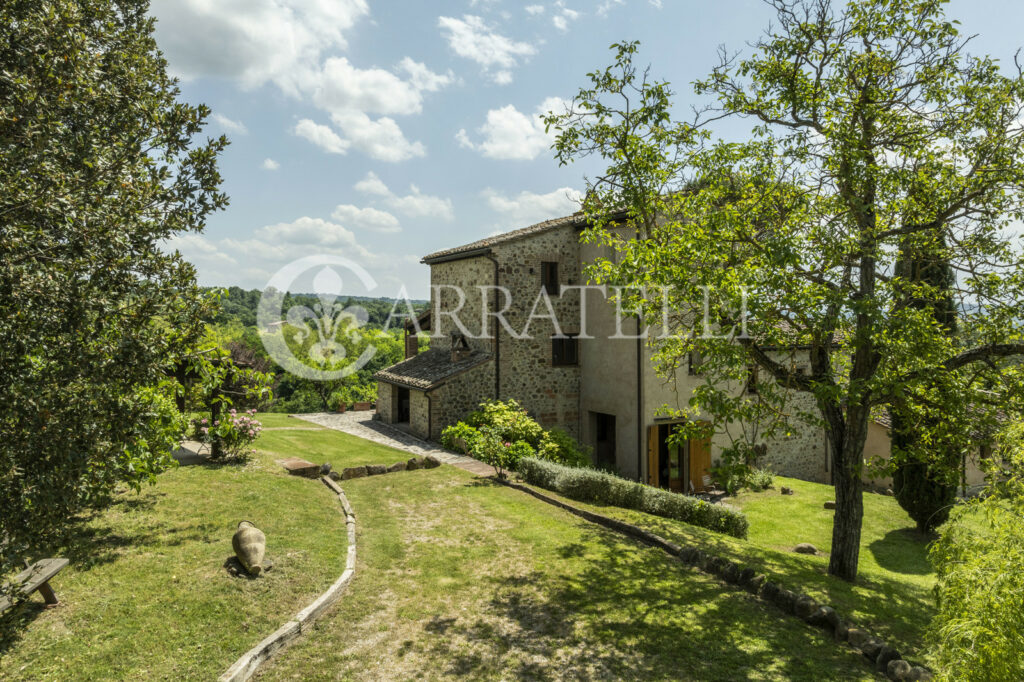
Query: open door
{"points": [[700, 461]]}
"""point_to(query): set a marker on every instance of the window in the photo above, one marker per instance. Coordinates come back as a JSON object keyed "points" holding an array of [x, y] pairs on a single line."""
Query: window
{"points": [[752, 379], [549, 277], [565, 350], [696, 360]]}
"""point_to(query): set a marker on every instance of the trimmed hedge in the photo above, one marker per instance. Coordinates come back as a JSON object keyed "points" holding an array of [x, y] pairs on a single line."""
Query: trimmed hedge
{"points": [[598, 487]]}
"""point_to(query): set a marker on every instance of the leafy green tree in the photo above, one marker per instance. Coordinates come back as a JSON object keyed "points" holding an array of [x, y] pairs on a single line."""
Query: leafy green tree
{"points": [[99, 163], [775, 255], [925, 489], [978, 633]]}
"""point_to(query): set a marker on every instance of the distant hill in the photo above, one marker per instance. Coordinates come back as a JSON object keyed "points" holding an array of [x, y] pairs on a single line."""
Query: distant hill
{"points": [[240, 305]]}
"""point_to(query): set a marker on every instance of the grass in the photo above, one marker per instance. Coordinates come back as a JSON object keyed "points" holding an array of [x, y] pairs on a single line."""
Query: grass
{"points": [[146, 594], [892, 597], [460, 577], [456, 577]]}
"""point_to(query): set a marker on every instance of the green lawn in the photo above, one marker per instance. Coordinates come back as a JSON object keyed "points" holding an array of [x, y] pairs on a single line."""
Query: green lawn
{"points": [[892, 597], [146, 594], [456, 576]]}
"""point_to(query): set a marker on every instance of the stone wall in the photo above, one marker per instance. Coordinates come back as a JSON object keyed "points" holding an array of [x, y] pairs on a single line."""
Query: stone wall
{"points": [[419, 414], [460, 395], [386, 397], [467, 274]]}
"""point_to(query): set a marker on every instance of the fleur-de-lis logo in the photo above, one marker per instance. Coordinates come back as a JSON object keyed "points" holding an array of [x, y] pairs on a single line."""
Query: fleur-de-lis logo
{"points": [[320, 331]]}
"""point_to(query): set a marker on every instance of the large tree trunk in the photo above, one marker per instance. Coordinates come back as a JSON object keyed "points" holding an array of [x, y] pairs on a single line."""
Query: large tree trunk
{"points": [[846, 439]]}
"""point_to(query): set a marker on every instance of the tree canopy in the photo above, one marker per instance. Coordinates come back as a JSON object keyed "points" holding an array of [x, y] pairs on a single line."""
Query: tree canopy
{"points": [[873, 129], [99, 163]]}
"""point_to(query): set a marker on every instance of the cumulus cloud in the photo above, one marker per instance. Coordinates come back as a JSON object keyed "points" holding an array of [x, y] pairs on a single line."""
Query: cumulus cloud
{"points": [[415, 204], [339, 87], [253, 41], [380, 139], [322, 136], [270, 165], [563, 15], [371, 219], [607, 5], [527, 208], [229, 125], [372, 184], [534, 10], [510, 134], [471, 38]]}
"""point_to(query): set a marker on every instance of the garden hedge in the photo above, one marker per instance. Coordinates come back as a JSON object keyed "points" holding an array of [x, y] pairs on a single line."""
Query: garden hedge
{"points": [[598, 487]]}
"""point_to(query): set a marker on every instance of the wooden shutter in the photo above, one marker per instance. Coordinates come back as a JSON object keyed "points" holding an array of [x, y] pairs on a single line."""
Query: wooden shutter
{"points": [[700, 461], [652, 455]]}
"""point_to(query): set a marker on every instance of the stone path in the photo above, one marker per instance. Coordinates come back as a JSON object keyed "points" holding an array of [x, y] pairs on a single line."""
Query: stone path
{"points": [[362, 425]]}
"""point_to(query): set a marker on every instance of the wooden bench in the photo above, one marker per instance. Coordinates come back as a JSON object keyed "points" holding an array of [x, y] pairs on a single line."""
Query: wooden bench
{"points": [[36, 578]]}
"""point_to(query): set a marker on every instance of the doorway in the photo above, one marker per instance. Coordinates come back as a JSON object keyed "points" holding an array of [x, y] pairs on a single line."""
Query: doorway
{"points": [[603, 428], [403, 405], [676, 466]]}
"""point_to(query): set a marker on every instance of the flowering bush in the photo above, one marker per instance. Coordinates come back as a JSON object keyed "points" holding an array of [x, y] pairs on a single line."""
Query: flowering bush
{"points": [[501, 454], [234, 432]]}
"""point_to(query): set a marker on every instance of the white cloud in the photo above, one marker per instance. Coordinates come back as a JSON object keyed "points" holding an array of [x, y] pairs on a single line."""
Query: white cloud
{"points": [[253, 41], [230, 125], [563, 16], [534, 10], [527, 208], [368, 218], [270, 164], [339, 86], [380, 139], [322, 136], [415, 204], [606, 6], [372, 184], [471, 38], [422, 78], [511, 134]]}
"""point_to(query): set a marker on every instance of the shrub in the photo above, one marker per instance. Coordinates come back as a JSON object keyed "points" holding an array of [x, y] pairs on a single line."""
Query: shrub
{"points": [[760, 479], [502, 455], [452, 435], [234, 431], [598, 487], [509, 420], [558, 446]]}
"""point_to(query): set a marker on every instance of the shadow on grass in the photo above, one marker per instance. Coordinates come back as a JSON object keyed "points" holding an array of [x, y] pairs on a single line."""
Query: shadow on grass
{"points": [[13, 623], [624, 611], [891, 551]]}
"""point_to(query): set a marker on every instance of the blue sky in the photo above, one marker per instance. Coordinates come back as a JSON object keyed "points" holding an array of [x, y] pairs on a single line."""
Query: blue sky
{"points": [[382, 131]]}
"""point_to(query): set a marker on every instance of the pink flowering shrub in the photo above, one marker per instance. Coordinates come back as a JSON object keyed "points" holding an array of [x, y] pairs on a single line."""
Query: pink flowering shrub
{"points": [[235, 431]]}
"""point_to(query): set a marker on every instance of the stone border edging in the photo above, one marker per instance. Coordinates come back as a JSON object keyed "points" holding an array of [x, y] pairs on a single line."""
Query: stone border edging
{"points": [[250, 661], [884, 659]]}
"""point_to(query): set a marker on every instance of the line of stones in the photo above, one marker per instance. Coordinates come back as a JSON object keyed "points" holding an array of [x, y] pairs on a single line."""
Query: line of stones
{"points": [[428, 462], [885, 659], [250, 661]]}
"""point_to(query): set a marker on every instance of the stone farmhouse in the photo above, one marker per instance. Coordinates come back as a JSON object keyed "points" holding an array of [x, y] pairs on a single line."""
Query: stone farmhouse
{"points": [[600, 386], [602, 390]]}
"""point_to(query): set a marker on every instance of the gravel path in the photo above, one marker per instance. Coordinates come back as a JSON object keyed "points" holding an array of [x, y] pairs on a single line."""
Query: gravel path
{"points": [[362, 425]]}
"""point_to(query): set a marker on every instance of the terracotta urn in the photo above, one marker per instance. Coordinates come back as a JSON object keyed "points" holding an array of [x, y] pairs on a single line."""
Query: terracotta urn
{"points": [[249, 544]]}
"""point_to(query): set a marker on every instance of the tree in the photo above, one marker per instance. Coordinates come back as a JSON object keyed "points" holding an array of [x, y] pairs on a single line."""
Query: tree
{"points": [[926, 490], [775, 255], [99, 163]]}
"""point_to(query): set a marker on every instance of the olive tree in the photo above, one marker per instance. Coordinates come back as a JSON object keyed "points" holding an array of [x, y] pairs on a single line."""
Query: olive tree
{"points": [[775, 254], [99, 163]]}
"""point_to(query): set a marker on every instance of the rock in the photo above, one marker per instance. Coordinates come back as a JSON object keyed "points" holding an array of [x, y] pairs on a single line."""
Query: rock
{"points": [[805, 548], [857, 637], [325, 469], [745, 576], [413, 464], [431, 462], [376, 469], [831, 504], [841, 631], [784, 599], [804, 607], [249, 544], [871, 647], [898, 670], [397, 466], [688, 555], [300, 467], [335, 475], [885, 656], [730, 572], [919, 674], [754, 586], [786, 491], [353, 472], [824, 617], [769, 591]]}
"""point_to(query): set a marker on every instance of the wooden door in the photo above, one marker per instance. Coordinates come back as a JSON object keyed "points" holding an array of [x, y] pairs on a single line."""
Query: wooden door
{"points": [[700, 461], [652, 455]]}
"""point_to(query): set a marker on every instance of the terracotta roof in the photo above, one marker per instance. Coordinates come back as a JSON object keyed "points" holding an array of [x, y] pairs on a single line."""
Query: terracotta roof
{"points": [[429, 369], [487, 242]]}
